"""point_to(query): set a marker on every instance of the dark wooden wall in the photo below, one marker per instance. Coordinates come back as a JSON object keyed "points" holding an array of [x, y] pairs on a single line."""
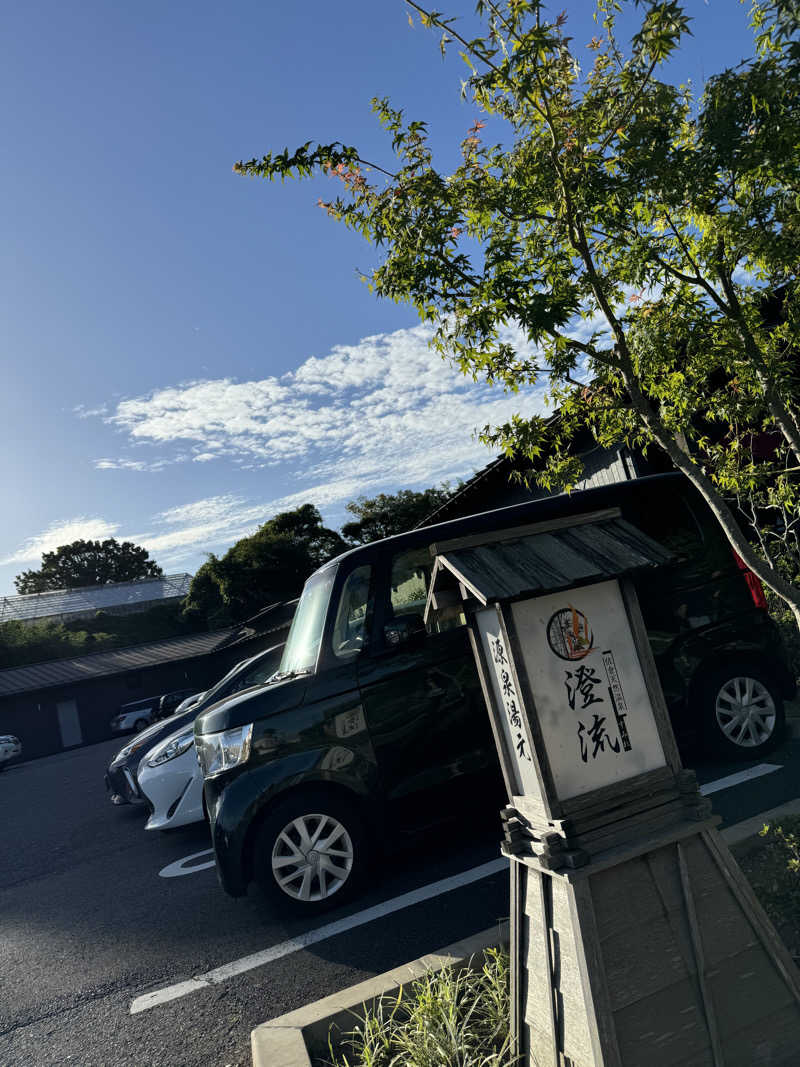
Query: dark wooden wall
{"points": [[32, 715]]}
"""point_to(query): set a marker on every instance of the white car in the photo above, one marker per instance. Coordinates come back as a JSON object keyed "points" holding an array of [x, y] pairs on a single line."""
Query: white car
{"points": [[170, 778], [10, 747]]}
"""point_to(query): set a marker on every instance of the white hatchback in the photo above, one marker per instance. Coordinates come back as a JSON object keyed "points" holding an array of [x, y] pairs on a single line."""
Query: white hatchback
{"points": [[10, 747], [171, 780]]}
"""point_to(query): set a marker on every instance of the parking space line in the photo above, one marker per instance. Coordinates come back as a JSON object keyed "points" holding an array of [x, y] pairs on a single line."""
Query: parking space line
{"points": [[361, 918], [186, 866], [313, 937], [739, 777]]}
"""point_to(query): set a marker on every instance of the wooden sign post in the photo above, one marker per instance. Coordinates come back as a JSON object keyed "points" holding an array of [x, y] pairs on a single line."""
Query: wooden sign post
{"points": [[635, 938]]}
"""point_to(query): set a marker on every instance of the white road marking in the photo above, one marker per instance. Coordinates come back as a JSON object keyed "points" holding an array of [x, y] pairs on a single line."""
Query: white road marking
{"points": [[740, 776], [313, 937], [179, 867], [378, 911]]}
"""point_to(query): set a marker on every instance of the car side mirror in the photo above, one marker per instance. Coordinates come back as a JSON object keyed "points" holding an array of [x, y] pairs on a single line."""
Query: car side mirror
{"points": [[406, 631]]}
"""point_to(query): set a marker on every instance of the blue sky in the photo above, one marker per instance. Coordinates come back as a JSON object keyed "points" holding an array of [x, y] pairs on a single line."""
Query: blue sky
{"points": [[186, 352]]}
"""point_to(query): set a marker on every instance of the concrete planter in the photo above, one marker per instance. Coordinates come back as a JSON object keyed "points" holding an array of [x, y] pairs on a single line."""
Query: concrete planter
{"points": [[295, 1039]]}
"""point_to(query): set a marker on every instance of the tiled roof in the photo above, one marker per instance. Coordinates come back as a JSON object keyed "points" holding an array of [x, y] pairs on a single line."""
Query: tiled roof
{"points": [[68, 671]]}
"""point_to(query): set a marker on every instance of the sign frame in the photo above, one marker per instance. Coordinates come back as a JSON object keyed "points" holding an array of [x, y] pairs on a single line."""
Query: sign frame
{"points": [[547, 804]]}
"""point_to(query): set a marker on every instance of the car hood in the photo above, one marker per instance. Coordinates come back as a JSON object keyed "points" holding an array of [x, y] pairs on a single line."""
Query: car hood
{"points": [[251, 705], [150, 737]]}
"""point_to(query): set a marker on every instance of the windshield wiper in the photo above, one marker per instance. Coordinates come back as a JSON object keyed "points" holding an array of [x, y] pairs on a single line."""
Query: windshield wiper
{"points": [[281, 676]]}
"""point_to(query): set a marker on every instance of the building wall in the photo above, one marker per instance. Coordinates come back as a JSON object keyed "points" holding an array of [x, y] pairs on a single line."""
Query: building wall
{"points": [[33, 716], [496, 488]]}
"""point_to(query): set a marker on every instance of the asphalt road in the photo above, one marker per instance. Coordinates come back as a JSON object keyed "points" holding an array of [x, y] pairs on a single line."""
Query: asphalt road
{"points": [[89, 928]]}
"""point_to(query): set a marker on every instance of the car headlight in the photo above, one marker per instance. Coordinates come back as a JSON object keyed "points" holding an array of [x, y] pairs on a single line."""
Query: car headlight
{"points": [[130, 748], [219, 752], [176, 746], [124, 752]]}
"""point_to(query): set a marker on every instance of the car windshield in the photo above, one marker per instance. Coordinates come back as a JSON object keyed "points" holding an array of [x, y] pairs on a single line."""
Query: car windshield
{"points": [[236, 669], [305, 635]]}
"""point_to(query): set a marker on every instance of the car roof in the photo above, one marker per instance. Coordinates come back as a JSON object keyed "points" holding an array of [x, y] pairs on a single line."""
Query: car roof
{"points": [[512, 515]]}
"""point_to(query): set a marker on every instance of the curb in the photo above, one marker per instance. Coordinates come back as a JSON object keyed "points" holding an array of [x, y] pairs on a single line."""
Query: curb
{"points": [[742, 832], [291, 1039]]}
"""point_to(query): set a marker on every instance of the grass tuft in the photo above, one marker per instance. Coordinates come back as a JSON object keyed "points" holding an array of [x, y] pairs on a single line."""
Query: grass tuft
{"points": [[448, 1018]]}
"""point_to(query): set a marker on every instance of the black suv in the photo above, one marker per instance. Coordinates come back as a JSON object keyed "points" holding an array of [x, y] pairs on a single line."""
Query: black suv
{"points": [[374, 724]]}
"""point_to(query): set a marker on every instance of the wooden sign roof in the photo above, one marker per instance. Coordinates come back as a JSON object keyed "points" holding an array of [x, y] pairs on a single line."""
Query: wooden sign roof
{"points": [[532, 561]]}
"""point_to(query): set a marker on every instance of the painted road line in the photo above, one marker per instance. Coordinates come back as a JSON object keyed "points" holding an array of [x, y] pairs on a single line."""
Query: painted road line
{"points": [[739, 777], [185, 866], [313, 937]]}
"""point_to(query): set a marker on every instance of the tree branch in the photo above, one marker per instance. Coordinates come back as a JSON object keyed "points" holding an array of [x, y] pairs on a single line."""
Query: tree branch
{"points": [[778, 409]]}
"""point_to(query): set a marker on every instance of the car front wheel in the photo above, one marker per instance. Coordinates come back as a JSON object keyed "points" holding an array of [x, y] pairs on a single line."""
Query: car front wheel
{"points": [[311, 852], [744, 715]]}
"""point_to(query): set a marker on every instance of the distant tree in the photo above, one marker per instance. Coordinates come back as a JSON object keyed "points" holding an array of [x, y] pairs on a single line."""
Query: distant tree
{"points": [[268, 566], [304, 525], [391, 513], [204, 602], [88, 563]]}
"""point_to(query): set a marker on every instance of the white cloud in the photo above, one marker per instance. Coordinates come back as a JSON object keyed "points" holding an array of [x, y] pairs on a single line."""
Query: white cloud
{"points": [[135, 464], [385, 410], [87, 413], [380, 415], [63, 532]]}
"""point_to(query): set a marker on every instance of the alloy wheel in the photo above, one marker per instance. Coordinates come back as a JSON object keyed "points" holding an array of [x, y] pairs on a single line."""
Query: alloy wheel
{"points": [[745, 711], [312, 857]]}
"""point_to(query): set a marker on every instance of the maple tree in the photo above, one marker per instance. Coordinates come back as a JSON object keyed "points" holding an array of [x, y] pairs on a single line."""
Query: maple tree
{"points": [[641, 240]]}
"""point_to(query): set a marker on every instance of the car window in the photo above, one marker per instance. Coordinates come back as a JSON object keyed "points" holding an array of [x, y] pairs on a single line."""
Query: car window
{"points": [[699, 554], [258, 674], [353, 614], [408, 592]]}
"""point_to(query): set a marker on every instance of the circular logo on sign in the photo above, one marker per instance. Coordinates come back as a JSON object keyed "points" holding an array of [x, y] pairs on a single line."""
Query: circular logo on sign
{"points": [[569, 634]]}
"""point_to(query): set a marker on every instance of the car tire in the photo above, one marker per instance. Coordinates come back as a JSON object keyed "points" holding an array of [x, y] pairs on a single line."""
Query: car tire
{"points": [[298, 878], [743, 716], [140, 724]]}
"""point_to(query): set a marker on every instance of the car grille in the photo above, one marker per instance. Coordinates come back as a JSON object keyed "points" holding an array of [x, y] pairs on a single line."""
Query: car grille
{"points": [[132, 783]]}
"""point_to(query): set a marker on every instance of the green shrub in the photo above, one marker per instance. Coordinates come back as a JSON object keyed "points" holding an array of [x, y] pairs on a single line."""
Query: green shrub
{"points": [[22, 643], [448, 1018], [773, 869]]}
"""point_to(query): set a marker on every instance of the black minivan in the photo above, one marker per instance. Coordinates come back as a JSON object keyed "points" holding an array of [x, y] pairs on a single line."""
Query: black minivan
{"points": [[375, 725]]}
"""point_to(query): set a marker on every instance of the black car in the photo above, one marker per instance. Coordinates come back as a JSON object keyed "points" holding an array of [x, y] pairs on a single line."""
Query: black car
{"points": [[373, 725], [169, 702], [120, 778]]}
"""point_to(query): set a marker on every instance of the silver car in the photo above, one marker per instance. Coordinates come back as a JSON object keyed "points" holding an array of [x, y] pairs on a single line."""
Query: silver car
{"points": [[10, 747]]}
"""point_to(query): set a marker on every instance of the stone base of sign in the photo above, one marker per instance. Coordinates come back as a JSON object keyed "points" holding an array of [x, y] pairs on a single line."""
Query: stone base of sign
{"points": [[656, 954]]}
